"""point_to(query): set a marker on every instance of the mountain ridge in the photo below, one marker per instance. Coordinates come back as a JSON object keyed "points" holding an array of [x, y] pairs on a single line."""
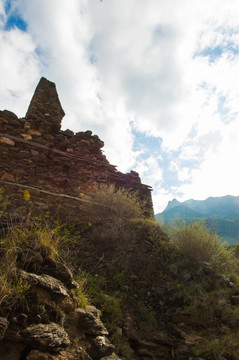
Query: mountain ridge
{"points": [[221, 214]]}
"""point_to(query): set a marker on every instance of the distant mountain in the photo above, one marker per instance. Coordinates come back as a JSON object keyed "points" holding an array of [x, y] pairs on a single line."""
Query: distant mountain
{"points": [[221, 214]]}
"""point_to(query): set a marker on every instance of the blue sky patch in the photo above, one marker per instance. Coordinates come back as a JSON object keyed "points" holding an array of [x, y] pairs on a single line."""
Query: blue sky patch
{"points": [[214, 53], [222, 109], [92, 51], [218, 51], [149, 144], [14, 20]]}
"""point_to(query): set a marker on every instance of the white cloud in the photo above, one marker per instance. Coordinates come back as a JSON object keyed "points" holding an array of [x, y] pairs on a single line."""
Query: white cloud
{"points": [[150, 171], [19, 70], [184, 174], [218, 174], [63, 42], [160, 199], [143, 61]]}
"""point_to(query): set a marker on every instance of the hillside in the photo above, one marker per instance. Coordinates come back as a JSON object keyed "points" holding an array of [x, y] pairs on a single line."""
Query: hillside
{"points": [[114, 288], [86, 273], [221, 214]]}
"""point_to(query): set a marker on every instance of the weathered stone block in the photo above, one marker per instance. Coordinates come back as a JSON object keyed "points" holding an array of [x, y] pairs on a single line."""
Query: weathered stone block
{"points": [[47, 282], [7, 141], [49, 337], [26, 136]]}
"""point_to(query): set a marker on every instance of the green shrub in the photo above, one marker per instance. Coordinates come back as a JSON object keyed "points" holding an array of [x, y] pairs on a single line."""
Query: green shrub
{"points": [[225, 346], [208, 308], [18, 249], [110, 210], [12, 287], [198, 246], [28, 236], [105, 300], [235, 249], [210, 349], [109, 203], [79, 294]]}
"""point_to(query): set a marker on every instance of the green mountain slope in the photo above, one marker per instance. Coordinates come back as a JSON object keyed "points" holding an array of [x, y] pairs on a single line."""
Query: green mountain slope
{"points": [[180, 212], [221, 214]]}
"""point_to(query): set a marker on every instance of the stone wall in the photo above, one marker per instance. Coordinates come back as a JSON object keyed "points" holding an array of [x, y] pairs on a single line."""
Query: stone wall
{"points": [[60, 169]]}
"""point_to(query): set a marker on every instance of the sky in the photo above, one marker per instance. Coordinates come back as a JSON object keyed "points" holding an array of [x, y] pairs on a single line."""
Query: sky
{"points": [[157, 80]]}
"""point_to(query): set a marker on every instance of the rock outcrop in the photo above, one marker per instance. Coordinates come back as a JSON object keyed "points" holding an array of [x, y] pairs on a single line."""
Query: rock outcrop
{"points": [[59, 169], [48, 337], [51, 326]]}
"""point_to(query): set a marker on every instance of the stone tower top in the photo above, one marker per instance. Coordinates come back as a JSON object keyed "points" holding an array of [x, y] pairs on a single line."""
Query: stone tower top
{"points": [[45, 111]]}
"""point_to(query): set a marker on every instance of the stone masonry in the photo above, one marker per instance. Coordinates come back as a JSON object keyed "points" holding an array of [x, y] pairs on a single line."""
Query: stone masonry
{"points": [[58, 168]]}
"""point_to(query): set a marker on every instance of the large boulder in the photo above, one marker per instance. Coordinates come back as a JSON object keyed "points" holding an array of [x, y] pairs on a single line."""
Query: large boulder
{"points": [[48, 337], [45, 281]]}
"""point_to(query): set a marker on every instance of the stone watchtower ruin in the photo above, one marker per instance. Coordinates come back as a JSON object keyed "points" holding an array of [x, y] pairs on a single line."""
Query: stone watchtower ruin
{"points": [[60, 169], [45, 112]]}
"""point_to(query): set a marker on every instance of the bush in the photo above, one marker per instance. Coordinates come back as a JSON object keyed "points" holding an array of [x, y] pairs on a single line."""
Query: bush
{"points": [[25, 246], [28, 236], [222, 347], [198, 246], [111, 210], [109, 203], [12, 288], [79, 294]]}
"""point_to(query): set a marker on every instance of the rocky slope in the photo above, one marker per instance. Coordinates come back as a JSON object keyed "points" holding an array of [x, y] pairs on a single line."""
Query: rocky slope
{"points": [[48, 325], [57, 278], [154, 304]]}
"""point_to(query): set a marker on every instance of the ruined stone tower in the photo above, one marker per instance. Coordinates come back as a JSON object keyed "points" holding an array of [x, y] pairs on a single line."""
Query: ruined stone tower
{"points": [[60, 169], [45, 111]]}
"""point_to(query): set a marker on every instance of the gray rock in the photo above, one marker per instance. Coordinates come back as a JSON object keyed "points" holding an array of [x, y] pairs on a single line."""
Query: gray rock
{"points": [[48, 337], [89, 321], [47, 282], [102, 346]]}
